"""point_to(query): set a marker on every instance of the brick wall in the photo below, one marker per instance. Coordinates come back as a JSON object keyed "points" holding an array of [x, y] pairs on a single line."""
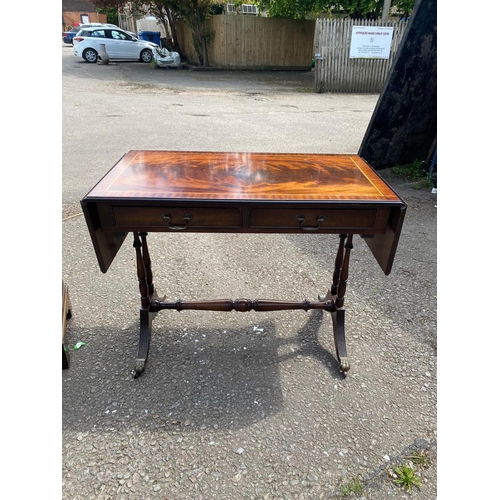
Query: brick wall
{"points": [[70, 18]]}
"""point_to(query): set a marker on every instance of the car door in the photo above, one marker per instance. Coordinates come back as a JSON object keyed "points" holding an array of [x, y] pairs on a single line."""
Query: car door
{"points": [[97, 37], [112, 45], [124, 44]]}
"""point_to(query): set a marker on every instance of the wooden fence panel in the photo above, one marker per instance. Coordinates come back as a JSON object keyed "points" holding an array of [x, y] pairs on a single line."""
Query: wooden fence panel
{"points": [[335, 71], [257, 43]]}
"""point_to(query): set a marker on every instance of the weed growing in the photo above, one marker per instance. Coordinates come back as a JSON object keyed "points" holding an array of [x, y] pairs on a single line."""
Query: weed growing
{"points": [[354, 486], [406, 477], [420, 458]]}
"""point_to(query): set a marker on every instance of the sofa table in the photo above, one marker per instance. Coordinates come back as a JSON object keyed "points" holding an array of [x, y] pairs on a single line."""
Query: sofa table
{"points": [[229, 192]]}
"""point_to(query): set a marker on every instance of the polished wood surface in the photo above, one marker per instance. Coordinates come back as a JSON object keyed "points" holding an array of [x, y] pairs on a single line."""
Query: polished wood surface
{"points": [[161, 191], [176, 175]]}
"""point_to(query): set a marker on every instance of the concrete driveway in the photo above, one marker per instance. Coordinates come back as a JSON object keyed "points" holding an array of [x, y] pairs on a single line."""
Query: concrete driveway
{"points": [[238, 405]]}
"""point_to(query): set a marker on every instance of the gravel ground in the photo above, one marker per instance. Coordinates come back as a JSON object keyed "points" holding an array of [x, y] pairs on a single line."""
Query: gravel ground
{"points": [[239, 405]]}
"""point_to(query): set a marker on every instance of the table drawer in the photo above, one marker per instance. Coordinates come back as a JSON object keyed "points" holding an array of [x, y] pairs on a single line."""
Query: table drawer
{"points": [[363, 219], [175, 218]]}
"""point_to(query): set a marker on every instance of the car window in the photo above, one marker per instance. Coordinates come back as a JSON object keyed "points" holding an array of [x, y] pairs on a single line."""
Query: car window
{"points": [[119, 35], [98, 34]]}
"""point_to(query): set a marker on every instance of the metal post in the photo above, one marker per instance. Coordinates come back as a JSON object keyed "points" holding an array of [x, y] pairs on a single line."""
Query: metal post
{"points": [[385, 11]]}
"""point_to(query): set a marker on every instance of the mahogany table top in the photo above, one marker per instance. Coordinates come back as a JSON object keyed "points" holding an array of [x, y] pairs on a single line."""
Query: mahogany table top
{"points": [[273, 177], [243, 192]]}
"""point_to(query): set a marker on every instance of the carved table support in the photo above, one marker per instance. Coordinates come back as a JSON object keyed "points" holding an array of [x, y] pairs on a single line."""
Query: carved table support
{"points": [[243, 305], [333, 302], [146, 288], [336, 294]]}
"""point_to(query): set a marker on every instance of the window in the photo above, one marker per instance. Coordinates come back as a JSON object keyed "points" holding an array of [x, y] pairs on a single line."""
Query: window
{"points": [[118, 35], [98, 34], [242, 9]]}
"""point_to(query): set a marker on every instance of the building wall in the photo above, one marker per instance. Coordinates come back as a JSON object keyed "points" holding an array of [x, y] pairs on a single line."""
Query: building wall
{"points": [[72, 10], [70, 19]]}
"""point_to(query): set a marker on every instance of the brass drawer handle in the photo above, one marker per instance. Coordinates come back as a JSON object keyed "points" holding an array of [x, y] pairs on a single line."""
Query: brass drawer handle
{"points": [[177, 227], [302, 219]]}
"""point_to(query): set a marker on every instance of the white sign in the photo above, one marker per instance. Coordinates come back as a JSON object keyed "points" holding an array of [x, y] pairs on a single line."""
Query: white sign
{"points": [[371, 42]]}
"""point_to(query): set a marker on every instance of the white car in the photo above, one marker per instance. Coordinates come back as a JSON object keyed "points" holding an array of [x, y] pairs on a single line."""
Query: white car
{"points": [[118, 44]]}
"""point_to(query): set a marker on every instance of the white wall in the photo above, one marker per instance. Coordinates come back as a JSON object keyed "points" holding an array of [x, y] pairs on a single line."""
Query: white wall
{"points": [[150, 24]]}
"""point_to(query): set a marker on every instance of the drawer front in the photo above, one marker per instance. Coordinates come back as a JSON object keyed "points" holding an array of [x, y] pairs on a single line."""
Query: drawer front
{"points": [[175, 218], [369, 219]]}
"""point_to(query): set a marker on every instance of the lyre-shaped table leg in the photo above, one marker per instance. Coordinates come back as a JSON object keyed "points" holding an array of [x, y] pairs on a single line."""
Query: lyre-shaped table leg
{"points": [[148, 293], [146, 319], [336, 293], [338, 320]]}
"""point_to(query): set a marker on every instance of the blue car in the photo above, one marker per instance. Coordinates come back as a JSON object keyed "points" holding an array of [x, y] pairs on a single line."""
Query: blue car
{"points": [[67, 36]]}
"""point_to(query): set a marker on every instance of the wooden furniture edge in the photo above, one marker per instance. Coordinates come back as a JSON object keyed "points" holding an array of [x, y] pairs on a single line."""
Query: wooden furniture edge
{"points": [[66, 314]]}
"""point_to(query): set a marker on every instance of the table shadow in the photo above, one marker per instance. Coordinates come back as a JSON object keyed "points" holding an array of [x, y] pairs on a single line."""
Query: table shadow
{"points": [[195, 378]]}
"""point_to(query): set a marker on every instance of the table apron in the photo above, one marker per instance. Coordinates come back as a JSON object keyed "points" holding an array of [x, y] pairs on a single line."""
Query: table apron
{"points": [[166, 218]]}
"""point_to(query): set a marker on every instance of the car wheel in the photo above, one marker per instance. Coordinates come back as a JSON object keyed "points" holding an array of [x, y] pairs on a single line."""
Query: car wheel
{"points": [[90, 55], [146, 56]]}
